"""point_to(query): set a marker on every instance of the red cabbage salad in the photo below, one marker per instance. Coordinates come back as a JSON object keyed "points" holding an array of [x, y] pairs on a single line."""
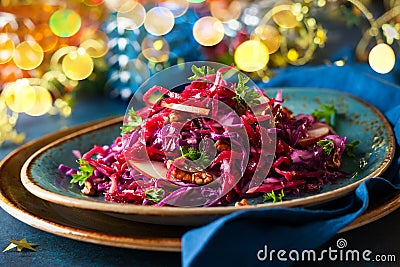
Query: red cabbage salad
{"points": [[221, 143]]}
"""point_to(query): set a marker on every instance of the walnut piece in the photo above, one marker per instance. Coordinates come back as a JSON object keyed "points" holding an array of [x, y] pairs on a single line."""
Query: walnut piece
{"points": [[199, 178], [89, 189], [242, 202], [222, 145]]}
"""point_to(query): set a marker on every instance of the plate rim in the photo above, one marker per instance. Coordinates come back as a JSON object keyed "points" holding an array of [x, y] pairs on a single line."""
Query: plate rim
{"points": [[11, 207], [157, 244], [184, 211]]}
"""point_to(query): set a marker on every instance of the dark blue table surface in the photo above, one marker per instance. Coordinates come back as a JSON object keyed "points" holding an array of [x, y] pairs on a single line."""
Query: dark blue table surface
{"points": [[381, 237]]}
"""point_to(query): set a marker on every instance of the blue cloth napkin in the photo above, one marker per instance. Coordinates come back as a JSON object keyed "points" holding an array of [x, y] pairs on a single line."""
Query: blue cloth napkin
{"points": [[246, 238]]}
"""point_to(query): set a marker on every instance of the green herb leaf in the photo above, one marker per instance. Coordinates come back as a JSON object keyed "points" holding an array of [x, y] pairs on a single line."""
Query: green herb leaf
{"points": [[243, 94], [132, 122], [272, 196], [350, 147], [155, 194], [199, 72], [84, 172], [327, 145], [200, 158], [327, 114]]}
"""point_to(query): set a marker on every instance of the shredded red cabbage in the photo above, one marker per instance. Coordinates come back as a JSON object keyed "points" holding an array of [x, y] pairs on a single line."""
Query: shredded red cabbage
{"points": [[300, 165]]}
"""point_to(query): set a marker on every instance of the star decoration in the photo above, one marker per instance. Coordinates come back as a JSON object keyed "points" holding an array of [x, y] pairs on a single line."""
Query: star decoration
{"points": [[20, 245]]}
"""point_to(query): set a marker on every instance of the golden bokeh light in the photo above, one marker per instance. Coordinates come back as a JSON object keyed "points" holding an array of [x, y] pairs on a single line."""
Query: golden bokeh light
{"points": [[251, 55], [28, 55], [120, 5], [269, 35], [77, 65], [283, 15], [19, 96], [7, 48], [95, 47], [43, 102], [226, 10], [44, 36], [155, 49], [208, 31], [177, 7], [382, 58], [133, 18], [159, 21], [292, 54]]}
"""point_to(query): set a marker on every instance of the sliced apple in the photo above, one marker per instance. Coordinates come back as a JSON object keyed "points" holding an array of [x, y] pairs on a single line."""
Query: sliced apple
{"points": [[186, 108], [314, 134]]}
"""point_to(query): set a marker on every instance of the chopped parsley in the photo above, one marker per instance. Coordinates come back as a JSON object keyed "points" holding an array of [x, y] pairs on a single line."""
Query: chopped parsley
{"points": [[327, 113], [154, 194], [199, 72], [327, 145], [272, 196], [350, 147], [132, 122], [243, 95], [84, 172], [200, 158]]}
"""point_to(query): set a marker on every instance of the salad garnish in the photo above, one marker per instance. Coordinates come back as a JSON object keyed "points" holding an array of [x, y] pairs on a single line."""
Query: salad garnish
{"points": [[132, 122], [85, 171], [327, 145], [155, 194], [326, 113], [271, 196]]}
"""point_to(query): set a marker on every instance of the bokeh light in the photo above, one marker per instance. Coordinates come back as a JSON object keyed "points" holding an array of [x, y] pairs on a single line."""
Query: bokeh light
{"points": [[119, 5], [196, 1], [292, 54], [269, 35], [43, 102], [177, 7], [251, 55], [208, 31], [65, 22], [382, 58], [19, 96], [95, 47], [131, 18], [155, 49], [77, 65], [225, 10], [159, 21], [7, 48], [93, 2], [283, 16], [28, 55], [45, 37]]}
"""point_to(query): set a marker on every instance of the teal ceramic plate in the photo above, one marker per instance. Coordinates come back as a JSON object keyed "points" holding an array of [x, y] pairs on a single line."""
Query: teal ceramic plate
{"points": [[357, 120], [99, 228]]}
